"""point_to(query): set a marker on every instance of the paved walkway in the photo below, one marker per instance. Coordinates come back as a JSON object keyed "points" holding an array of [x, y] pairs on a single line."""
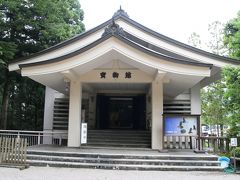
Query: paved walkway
{"points": [[48, 173]]}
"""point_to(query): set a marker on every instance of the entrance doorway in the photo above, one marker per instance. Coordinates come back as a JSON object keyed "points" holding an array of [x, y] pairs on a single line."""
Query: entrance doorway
{"points": [[121, 112]]}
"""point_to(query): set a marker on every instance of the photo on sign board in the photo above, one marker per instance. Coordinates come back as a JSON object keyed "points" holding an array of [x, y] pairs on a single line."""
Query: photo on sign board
{"points": [[180, 125]]}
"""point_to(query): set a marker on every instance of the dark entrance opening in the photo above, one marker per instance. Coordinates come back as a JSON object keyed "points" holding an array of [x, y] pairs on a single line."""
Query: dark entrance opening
{"points": [[121, 112]]}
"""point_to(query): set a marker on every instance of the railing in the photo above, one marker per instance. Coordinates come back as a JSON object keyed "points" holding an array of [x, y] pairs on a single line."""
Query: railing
{"points": [[203, 143], [180, 142], [36, 137], [214, 144], [13, 150]]}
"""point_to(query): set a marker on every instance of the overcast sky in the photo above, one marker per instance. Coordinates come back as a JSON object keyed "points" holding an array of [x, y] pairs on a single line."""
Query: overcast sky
{"points": [[174, 18]]}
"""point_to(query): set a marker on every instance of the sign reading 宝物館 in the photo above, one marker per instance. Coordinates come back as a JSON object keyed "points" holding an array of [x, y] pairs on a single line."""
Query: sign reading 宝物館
{"points": [[115, 75]]}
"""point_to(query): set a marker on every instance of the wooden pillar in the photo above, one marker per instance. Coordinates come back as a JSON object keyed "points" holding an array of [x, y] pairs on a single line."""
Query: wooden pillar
{"points": [[157, 118], [74, 123]]}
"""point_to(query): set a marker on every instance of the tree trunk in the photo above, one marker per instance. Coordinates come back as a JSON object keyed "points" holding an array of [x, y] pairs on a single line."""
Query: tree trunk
{"points": [[221, 128], [218, 130], [5, 100]]}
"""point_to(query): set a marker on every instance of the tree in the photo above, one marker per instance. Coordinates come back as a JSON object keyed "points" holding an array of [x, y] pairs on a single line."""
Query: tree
{"points": [[232, 95], [213, 101], [7, 52], [232, 37], [232, 75], [215, 44], [213, 105], [195, 40], [28, 26]]}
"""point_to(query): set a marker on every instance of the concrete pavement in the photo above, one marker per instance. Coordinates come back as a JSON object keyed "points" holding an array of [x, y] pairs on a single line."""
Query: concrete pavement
{"points": [[48, 173]]}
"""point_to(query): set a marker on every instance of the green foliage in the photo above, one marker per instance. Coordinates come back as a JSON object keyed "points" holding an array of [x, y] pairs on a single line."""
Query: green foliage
{"points": [[213, 104], [232, 78], [7, 51], [237, 152], [232, 75], [232, 37], [29, 26], [214, 111], [232, 96], [226, 154], [35, 25], [26, 105]]}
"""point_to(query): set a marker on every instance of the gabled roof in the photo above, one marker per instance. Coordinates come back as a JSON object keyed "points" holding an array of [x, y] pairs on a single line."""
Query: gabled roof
{"points": [[113, 30], [130, 39]]}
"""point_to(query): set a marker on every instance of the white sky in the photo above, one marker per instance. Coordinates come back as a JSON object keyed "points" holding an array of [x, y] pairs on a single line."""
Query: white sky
{"points": [[174, 18]]}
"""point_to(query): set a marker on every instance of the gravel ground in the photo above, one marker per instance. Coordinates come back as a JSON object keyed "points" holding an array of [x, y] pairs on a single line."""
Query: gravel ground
{"points": [[48, 173]]}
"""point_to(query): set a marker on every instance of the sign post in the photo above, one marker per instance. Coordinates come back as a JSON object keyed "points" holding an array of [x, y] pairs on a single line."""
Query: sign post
{"points": [[233, 143]]}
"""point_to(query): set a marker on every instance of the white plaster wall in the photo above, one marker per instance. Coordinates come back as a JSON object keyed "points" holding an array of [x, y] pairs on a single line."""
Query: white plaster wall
{"points": [[50, 95], [196, 100]]}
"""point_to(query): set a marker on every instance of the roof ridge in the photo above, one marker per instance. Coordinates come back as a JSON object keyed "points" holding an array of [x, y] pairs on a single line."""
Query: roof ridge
{"points": [[123, 15], [178, 43]]}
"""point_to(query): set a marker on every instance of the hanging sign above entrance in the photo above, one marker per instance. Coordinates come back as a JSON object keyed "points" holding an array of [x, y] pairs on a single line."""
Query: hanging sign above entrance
{"points": [[115, 75]]}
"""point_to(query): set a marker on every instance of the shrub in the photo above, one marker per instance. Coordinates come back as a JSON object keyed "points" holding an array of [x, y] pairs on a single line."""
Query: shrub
{"points": [[237, 151]]}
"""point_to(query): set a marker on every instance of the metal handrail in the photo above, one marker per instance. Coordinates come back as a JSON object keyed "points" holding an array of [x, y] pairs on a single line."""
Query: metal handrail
{"points": [[36, 137], [20, 131]]}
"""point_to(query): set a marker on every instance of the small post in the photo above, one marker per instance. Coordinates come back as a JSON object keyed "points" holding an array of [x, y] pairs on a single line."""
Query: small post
{"points": [[39, 138], [234, 159], [233, 144], [1, 149], [190, 139], [60, 140]]}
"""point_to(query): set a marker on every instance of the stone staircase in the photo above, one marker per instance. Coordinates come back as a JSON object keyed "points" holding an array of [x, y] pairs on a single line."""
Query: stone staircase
{"points": [[145, 162], [119, 138]]}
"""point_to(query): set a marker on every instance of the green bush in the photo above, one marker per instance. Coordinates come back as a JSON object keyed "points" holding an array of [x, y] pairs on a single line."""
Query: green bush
{"points": [[226, 154], [237, 151]]}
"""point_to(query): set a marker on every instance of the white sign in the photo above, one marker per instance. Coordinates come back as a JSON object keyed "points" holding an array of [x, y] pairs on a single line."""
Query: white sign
{"points": [[84, 133], [233, 142]]}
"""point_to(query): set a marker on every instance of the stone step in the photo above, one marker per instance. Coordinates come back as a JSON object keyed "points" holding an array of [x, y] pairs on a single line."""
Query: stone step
{"points": [[119, 138], [119, 132], [130, 139], [119, 144], [124, 156], [138, 140], [123, 161], [120, 135], [103, 144], [123, 166]]}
